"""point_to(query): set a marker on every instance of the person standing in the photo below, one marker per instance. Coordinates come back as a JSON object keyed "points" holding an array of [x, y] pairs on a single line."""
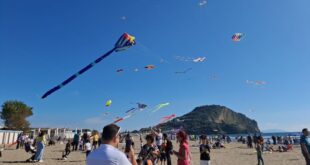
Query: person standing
{"points": [[259, 150], [149, 152], [204, 149], [76, 139], [168, 148], [158, 137], [274, 140], [40, 143], [183, 154], [250, 141], [107, 153], [95, 138], [305, 145], [88, 148]]}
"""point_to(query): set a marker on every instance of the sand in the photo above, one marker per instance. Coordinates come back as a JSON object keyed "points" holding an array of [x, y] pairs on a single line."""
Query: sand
{"points": [[233, 154]]}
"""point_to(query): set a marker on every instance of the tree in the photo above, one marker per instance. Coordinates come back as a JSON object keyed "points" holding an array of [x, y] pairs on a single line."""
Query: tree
{"points": [[14, 114]]}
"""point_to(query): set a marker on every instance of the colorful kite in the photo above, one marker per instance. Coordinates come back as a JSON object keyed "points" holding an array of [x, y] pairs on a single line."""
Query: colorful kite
{"points": [[237, 37], [160, 106], [199, 59], [123, 43], [108, 103], [149, 67], [167, 118]]}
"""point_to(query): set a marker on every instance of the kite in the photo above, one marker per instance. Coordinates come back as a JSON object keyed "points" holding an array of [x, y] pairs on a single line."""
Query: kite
{"points": [[124, 18], [257, 82], [136, 70], [119, 70], [149, 67], [182, 58], [123, 43], [237, 37], [190, 59], [131, 110], [160, 106], [213, 77], [199, 59], [167, 118], [141, 106], [202, 3], [183, 72], [118, 120], [108, 103]]}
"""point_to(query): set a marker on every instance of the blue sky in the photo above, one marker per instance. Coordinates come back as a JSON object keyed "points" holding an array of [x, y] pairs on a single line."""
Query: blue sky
{"points": [[44, 42]]}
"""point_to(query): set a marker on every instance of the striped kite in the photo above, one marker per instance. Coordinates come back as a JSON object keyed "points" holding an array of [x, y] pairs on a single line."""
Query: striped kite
{"points": [[123, 43]]}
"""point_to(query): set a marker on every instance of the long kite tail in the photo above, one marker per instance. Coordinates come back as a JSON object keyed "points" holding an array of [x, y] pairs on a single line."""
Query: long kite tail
{"points": [[78, 73]]}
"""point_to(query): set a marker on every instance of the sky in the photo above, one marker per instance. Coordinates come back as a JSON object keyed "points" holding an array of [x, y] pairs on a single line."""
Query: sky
{"points": [[44, 42]]}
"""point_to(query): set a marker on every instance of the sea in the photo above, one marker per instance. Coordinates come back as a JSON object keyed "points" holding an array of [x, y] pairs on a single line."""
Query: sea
{"points": [[270, 134]]}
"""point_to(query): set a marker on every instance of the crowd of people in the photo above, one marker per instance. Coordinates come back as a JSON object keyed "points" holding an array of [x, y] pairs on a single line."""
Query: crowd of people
{"points": [[156, 147]]}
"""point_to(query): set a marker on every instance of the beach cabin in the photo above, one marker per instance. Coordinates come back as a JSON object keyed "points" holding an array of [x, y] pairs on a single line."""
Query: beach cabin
{"points": [[8, 136]]}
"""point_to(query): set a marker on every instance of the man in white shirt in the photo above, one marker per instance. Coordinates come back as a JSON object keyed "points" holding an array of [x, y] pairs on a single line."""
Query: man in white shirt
{"points": [[107, 153]]}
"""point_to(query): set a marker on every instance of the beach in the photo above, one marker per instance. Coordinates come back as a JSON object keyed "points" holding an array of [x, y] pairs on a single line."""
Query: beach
{"points": [[234, 154]]}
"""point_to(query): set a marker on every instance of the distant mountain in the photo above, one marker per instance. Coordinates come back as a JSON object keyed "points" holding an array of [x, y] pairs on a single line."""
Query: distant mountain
{"points": [[213, 119], [273, 131]]}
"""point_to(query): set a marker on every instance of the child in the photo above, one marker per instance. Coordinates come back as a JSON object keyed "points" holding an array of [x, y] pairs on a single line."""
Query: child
{"points": [[87, 147], [67, 151], [30, 149]]}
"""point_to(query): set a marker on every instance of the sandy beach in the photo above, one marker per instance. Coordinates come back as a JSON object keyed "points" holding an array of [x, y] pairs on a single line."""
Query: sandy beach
{"points": [[233, 154]]}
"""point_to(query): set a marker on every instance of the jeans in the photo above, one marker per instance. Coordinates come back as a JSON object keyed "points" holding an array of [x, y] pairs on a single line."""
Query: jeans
{"points": [[168, 158], [260, 159], [40, 151]]}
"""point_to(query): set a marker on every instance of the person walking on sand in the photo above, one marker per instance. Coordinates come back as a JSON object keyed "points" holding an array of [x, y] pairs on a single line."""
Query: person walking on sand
{"points": [[183, 154], [305, 145], [107, 153], [40, 143], [259, 150]]}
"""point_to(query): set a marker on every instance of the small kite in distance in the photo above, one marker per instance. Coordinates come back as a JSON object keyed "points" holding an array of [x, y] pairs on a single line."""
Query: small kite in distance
{"points": [[256, 82], [119, 70], [237, 37], [183, 72], [202, 3], [108, 103], [149, 67], [199, 59]]}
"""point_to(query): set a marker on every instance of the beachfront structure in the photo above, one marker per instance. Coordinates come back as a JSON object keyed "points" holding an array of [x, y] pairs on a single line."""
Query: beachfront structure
{"points": [[8, 136], [59, 132]]}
